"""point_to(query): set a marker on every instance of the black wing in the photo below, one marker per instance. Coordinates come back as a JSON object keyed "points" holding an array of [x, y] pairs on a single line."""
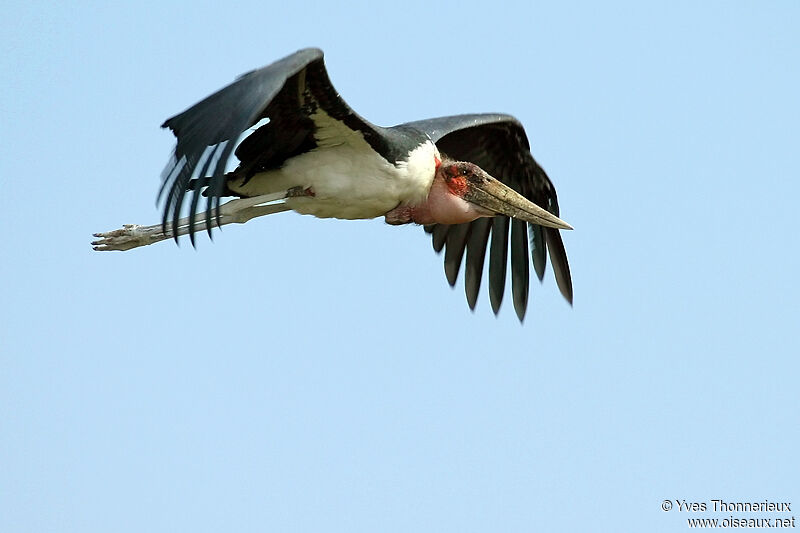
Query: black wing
{"points": [[287, 92], [498, 144]]}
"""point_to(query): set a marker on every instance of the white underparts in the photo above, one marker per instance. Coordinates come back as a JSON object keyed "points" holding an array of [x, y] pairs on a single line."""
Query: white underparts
{"points": [[349, 179]]}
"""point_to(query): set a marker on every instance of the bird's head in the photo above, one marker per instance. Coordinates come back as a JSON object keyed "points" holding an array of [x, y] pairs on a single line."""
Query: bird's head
{"points": [[463, 191]]}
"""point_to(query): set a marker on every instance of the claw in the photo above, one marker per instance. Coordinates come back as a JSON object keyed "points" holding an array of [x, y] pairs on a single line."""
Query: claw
{"points": [[127, 237]]}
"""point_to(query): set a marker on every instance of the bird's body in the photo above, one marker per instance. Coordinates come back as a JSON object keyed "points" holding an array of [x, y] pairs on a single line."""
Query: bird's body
{"points": [[464, 177], [349, 179]]}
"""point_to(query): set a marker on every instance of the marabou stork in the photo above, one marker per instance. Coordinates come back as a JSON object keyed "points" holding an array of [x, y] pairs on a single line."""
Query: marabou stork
{"points": [[463, 177]]}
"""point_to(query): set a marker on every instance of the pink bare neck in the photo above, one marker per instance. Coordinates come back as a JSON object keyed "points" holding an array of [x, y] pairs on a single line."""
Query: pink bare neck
{"points": [[442, 206]]}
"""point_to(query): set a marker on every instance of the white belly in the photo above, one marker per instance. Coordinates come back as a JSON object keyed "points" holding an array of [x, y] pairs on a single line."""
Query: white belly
{"points": [[349, 182]]}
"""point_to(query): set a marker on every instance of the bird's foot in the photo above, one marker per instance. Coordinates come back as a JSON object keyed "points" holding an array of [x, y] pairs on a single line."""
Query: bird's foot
{"points": [[236, 211], [127, 237]]}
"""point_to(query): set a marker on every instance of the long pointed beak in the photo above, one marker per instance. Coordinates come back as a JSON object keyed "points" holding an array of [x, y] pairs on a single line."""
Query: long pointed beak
{"points": [[494, 196]]}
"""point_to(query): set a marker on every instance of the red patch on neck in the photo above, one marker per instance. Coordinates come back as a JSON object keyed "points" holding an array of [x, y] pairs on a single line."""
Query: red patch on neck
{"points": [[437, 162]]}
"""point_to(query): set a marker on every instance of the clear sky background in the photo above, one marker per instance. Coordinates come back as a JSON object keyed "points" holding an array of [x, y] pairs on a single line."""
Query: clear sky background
{"points": [[306, 375]]}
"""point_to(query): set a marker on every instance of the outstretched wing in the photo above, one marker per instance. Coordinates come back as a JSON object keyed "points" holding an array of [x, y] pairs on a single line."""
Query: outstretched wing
{"points": [[498, 144], [289, 92]]}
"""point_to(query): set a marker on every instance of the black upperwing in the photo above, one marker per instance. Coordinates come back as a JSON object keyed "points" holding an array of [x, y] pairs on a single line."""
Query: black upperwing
{"points": [[287, 92], [497, 143]]}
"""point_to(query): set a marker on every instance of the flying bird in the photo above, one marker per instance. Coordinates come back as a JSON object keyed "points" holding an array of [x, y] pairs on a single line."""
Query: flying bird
{"points": [[464, 178]]}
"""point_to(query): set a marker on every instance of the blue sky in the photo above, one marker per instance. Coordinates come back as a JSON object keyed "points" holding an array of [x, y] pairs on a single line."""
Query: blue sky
{"points": [[307, 375]]}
